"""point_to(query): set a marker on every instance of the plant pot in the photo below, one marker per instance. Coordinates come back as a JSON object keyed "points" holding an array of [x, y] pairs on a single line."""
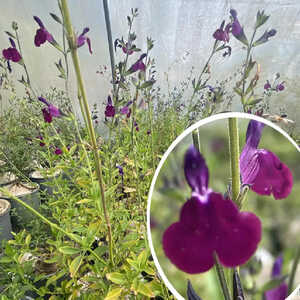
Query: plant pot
{"points": [[42, 181], [29, 193], [5, 224], [6, 179]]}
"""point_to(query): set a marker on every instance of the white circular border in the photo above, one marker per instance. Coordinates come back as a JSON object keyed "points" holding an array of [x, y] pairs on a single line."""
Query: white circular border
{"points": [[166, 154]]}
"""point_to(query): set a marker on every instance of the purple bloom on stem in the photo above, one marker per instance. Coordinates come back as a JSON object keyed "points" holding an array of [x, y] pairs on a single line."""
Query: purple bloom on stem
{"points": [[12, 54], [281, 291], [58, 151], [110, 109], [265, 37], [267, 85], [262, 169], [121, 171], [138, 65], [126, 110], [209, 224], [82, 39], [221, 34], [236, 28], [51, 111], [42, 35], [127, 49], [280, 87], [42, 144]]}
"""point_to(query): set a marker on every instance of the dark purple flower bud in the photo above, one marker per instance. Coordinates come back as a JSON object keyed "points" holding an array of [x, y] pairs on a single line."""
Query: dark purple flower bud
{"points": [[110, 109], [42, 35], [12, 54], [267, 85], [52, 110], [82, 39], [126, 110], [58, 151], [236, 28], [42, 144], [148, 131], [47, 115], [12, 42], [280, 87], [209, 224], [9, 66], [265, 37], [121, 171], [262, 169], [280, 292]]}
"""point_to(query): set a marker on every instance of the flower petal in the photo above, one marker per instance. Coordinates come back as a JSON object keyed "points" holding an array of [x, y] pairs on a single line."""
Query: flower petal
{"points": [[196, 171], [277, 266], [38, 20], [238, 234], [187, 244], [278, 293], [273, 176]]}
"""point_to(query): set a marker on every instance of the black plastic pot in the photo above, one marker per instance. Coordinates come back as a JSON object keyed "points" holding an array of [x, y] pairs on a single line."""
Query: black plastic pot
{"points": [[5, 223]]}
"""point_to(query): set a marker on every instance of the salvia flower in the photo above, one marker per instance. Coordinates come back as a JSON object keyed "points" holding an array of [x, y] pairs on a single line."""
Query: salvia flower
{"points": [[110, 110], [81, 39], [209, 224], [58, 151], [281, 291], [125, 110], [42, 35], [49, 111], [221, 34], [126, 49], [280, 87], [138, 65], [261, 169], [236, 28], [12, 53], [265, 37], [42, 144], [267, 85]]}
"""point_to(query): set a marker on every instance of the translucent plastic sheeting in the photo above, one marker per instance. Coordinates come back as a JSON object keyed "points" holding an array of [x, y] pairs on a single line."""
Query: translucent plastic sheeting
{"points": [[182, 31]]}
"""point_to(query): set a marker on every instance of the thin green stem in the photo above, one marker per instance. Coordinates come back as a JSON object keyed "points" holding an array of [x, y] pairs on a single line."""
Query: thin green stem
{"points": [[72, 45], [196, 139], [221, 276], [293, 272], [110, 43], [234, 152]]}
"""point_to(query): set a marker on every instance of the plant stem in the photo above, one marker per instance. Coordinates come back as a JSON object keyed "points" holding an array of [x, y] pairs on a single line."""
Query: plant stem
{"points": [[293, 272], [221, 276], [110, 43], [234, 152], [196, 139], [86, 112]]}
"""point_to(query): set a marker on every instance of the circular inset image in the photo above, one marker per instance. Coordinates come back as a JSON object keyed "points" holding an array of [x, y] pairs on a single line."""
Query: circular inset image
{"points": [[223, 211]]}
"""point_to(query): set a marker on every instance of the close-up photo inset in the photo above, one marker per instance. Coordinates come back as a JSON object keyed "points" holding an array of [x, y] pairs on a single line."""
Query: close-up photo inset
{"points": [[223, 211]]}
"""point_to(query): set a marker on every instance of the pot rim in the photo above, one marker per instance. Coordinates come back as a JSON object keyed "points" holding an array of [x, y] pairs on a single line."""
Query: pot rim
{"points": [[7, 207]]}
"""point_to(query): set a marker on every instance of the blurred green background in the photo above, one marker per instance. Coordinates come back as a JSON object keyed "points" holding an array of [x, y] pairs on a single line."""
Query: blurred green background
{"points": [[280, 218]]}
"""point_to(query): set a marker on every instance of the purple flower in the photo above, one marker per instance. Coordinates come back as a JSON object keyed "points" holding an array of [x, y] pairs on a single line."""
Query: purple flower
{"points": [[236, 28], [281, 291], [267, 85], [42, 144], [221, 34], [82, 39], [121, 171], [127, 49], [50, 111], [148, 132], [265, 37], [42, 35], [262, 169], [58, 151], [138, 65], [209, 224], [11, 53], [110, 109], [125, 110], [280, 87]]}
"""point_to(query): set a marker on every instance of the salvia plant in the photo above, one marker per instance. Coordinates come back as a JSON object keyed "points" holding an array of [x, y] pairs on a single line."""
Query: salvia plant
{"points": [[88, 237]]}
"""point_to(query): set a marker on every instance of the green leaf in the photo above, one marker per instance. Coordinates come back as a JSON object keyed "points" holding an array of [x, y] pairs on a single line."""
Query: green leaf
{"points": [[68, 250], [113, 294], [147, 84], [116, 277], [142, 258], [5, 260], [75, 264], [238, 91], [145, 290], [56, 18]]}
